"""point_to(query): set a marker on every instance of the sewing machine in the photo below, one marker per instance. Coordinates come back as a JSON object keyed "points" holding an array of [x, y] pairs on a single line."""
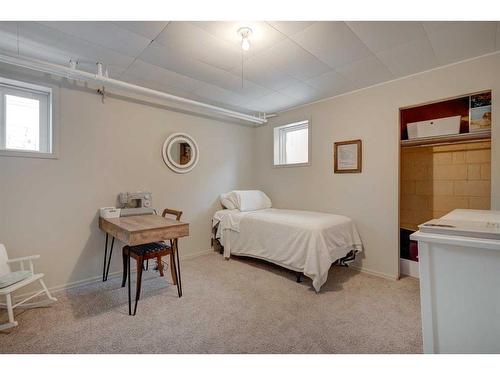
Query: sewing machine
{"points": [[138, 203]]}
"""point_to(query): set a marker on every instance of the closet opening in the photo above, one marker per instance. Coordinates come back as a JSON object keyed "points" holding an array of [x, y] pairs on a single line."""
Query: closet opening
{"points": [[445, 164]]}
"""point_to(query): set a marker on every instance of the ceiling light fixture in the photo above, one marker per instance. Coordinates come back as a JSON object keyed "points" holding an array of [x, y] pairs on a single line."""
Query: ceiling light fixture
{"points": [[245, 33]]}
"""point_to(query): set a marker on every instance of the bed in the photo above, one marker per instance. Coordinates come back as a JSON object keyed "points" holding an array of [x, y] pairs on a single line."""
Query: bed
{"points": [[302, 241]]}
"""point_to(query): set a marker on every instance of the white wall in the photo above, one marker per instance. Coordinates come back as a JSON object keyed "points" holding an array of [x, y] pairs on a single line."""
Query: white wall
{"points": [[49, 207], [370, 198]]}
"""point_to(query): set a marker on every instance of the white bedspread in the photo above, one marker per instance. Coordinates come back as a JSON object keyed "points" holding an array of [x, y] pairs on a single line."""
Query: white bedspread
{"points": [[303, 241]]}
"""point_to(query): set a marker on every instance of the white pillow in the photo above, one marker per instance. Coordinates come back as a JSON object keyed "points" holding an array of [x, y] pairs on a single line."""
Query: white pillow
{"points": [[227, 200], [251, 200]]}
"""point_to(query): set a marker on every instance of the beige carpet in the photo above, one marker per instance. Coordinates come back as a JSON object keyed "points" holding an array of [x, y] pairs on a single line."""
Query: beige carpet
{"points": [[240, 306]]}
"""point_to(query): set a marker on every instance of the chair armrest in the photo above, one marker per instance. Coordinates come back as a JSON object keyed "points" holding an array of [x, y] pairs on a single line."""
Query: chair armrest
{"points": [[30, 257]]}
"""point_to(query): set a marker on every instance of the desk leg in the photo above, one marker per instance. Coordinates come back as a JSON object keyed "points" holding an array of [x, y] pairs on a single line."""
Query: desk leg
{"points": [[109, 259], [179, 282], [105, 256], [139, 282], [175, 276], [129, 299], [105, 268]]}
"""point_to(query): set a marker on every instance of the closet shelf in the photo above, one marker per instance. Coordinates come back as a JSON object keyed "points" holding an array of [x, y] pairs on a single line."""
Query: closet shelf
{"points": [[445, 139]]}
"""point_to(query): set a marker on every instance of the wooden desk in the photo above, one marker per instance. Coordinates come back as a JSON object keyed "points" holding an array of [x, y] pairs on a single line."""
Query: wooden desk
{"points": [[141, 229], [138, 230]]}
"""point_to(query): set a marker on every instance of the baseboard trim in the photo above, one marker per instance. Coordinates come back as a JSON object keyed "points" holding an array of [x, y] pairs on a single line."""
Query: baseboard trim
{"points": [[196, 255], [112, 275], [409, 268], [91, 280], [374, 273]]}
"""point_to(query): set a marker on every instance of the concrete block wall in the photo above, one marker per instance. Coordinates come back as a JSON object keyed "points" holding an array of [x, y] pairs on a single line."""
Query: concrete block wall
{"points": [[438, 179]]}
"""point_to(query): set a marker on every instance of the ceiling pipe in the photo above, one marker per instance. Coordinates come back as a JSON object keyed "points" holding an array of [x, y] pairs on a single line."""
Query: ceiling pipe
{"points": [[73, 73]]}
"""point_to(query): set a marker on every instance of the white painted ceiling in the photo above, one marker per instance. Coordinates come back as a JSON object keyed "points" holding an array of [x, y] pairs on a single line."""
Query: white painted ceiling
{"points": [[288, 64]]}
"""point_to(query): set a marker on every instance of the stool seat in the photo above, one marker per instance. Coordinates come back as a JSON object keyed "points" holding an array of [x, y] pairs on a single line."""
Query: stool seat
{"points": [[149, 248]]}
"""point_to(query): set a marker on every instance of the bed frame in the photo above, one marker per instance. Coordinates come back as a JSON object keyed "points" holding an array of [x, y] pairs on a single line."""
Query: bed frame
{"points": [[217, 246], [214, 242]]}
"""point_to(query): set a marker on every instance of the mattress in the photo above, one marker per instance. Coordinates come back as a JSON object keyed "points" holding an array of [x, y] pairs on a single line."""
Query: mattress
{"points": [[303, 241]]}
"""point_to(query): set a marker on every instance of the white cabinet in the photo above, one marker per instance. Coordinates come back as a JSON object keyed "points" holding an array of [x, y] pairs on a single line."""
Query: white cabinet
{"points": [[459, 261]]}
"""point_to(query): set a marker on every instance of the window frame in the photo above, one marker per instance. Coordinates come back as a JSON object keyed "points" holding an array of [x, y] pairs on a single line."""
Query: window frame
{"points": [[279, 145], [49, 134]]}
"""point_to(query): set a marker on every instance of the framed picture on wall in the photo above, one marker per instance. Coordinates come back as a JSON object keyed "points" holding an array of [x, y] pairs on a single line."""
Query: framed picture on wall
{"points": [[347, 156]]}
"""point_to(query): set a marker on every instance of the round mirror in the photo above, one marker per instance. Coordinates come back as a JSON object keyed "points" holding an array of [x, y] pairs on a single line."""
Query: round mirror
{"points": [[180, 152]]}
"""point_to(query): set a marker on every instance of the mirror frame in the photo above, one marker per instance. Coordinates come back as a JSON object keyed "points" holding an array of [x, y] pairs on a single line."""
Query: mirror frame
{"points": [[172, 164]]}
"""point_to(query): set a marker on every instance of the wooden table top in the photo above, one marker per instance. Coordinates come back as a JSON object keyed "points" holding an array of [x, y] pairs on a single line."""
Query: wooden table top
{"points": [[140, 229], [138, 223]]}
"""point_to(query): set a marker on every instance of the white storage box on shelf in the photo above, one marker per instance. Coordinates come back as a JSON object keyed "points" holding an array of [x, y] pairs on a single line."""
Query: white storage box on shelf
{"points": [[434, 128], [459, 258]]}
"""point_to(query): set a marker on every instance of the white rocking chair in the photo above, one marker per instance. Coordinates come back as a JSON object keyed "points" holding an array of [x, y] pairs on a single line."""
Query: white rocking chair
{"points": [[12, 281]]}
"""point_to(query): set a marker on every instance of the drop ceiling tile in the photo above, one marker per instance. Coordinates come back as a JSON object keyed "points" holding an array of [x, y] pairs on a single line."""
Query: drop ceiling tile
{"points": [[330, 84], [271, 103], [294, 60], [40, 51], [142, 70], [9, 27], [290, 27], [8, 37], [27, 47], [164, 57], [158, 55], [455, 41], [292, 103], [215, 94], [105, 34], [244, 88], [148, 29], [300, 90], [379, 36], [332, 42], [188, 40], [259, 70], [435, 26], [263, 35], [37, 40], [409, 58], [249, 89], [366, 72]]}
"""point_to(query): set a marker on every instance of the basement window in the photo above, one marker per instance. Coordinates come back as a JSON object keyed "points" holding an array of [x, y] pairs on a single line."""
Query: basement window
{"points": [[292, 144], [25, 119]]}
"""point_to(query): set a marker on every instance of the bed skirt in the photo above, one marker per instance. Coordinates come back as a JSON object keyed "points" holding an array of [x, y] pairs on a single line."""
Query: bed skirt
{"points": [[344, 261]]}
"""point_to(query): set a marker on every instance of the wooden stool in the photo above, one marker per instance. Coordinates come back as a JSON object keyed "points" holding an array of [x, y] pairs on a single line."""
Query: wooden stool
{"points": [[154, 250]]}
